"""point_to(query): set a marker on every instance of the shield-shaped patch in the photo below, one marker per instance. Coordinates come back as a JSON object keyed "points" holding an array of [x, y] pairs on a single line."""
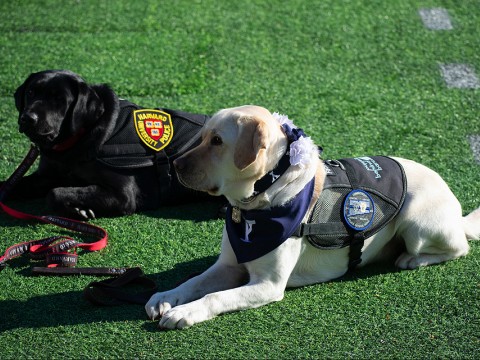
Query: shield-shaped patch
{"points": [[154, 127]]}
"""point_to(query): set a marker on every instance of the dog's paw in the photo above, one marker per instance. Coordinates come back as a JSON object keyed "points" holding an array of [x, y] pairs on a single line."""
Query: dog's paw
{"points": [[409, 261], [86, 214], [406, 261], [184, 316], [161, 302], [66, 201]]}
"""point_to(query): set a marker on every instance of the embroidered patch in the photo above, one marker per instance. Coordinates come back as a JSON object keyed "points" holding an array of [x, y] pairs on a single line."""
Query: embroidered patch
{"points": [[154, 127], [358, 209]]}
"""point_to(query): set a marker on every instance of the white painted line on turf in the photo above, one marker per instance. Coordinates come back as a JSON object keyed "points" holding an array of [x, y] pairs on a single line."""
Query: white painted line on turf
{"points": [[459, 76], [475, 145], [436, 19]]}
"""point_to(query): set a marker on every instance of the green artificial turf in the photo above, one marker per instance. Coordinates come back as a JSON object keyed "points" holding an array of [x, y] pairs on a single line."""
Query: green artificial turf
{"points": [[361, 78]]}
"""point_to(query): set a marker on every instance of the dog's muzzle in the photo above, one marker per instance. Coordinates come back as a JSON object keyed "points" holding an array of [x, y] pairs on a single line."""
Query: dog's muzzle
{"points": [[27, 122]]}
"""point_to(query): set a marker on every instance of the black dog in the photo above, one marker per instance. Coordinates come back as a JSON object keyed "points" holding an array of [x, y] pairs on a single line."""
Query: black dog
{"points": [[100, 155]]}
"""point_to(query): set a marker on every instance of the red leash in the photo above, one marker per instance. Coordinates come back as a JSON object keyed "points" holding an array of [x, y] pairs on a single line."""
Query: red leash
{"points": [[57, 250]]}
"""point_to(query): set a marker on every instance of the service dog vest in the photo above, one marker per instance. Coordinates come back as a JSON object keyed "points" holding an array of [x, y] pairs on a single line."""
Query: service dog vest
{"points": [[130, 148], [151, 137], [360, 196]]}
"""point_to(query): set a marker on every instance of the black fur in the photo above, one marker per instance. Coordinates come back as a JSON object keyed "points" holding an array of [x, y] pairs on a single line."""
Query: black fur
{"points": [[59, 110]]}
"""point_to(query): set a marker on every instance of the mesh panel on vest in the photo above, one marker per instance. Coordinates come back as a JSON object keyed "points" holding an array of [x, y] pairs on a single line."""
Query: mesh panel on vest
{"points": [[328, 210]]}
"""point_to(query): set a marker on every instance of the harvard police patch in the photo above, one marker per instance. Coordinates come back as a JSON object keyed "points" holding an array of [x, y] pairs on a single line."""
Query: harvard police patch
{"points": [[154, 127]]}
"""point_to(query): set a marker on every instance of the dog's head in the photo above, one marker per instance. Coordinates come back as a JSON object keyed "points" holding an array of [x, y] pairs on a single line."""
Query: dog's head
{"points": [[239, 145], [55, 105]]}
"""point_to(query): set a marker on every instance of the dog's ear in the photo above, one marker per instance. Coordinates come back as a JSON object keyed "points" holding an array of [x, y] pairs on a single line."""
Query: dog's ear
{"points": [[88, 108], [252, 138], [20, 95], [20, 92]]}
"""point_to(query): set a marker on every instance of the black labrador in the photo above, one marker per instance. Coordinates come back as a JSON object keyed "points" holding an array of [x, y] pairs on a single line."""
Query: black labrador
{"points": [[101, 155]]}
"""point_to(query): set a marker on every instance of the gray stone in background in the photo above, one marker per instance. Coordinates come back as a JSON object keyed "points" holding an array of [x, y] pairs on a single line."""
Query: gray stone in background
{"points": [[459, 76], [436, 19], [475, 145]]}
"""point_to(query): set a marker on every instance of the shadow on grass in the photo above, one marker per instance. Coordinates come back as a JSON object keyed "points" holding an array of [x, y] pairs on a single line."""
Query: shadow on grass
{"points": [[71, 308], [200, 210], [208, 209]]}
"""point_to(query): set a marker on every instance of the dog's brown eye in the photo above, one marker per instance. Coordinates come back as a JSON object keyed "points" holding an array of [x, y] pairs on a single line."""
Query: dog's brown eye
{"points": [[216, 140]]}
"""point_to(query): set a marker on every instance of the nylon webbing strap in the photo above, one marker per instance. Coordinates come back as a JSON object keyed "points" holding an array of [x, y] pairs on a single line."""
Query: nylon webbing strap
{"points": [[355, 253], [163, 174], [357, 238], [94, 271], [305, 229], [56, 250]]}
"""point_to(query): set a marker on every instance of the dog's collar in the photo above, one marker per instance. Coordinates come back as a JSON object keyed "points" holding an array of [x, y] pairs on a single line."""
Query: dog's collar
{"points": [[261, 185], [68, 143]]}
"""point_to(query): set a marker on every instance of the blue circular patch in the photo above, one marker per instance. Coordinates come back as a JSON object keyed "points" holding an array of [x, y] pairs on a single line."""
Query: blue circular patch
{"points": [[358, 209]]}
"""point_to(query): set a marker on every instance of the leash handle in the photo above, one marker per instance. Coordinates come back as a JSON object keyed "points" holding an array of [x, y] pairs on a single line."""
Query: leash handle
{"points": [[55, 249], [92, 271]]}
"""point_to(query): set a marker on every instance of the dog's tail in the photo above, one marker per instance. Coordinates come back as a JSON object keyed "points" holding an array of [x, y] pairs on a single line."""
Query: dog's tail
{"points": [[471, 225]]}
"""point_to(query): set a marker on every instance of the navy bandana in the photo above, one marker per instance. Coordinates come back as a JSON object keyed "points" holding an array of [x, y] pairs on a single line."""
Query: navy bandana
{"points": [[261, 231]]}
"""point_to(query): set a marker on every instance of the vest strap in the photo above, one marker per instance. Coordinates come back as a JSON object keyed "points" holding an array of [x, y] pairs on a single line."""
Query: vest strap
{"points": [[355, 254], [313, 229], [164, 176]]}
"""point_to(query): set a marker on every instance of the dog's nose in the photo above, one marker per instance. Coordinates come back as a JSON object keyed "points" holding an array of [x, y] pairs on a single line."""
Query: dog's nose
{"points": [[28, 119]]}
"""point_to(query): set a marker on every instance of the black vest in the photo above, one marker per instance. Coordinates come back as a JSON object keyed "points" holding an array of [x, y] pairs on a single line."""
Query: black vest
{"points": [[125, 150], [359, 197]]}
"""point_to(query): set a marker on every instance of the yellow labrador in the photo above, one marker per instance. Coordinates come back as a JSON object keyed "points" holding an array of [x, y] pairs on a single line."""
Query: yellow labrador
{"points": [[241, 148]]}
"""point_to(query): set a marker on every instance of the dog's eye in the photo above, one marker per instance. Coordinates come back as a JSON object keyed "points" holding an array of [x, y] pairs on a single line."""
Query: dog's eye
{"points": [[216, 140]]}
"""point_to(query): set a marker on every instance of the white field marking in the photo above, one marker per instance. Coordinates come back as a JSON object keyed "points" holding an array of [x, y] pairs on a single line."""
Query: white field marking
{"points": [[455, 75], [436, 19], [475, 145], [459, 76]]}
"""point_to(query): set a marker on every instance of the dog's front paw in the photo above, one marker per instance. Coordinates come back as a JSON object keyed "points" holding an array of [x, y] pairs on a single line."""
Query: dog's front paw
{"points": [[160, 303], [86, 214], [184, 316], [66, 201]]}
